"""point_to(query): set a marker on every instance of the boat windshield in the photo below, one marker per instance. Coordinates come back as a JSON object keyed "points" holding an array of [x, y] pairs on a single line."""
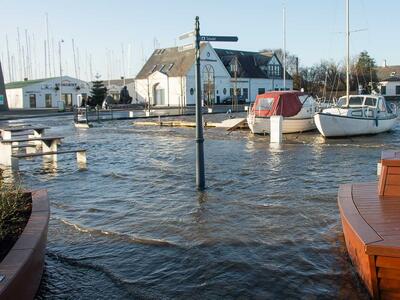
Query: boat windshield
{"points": [[357, 101], [265, 104], [369, 101], [342, 102]]}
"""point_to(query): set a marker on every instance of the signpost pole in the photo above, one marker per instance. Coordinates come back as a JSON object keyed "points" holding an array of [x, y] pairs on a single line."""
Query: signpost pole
{"points": [[200, 174]]}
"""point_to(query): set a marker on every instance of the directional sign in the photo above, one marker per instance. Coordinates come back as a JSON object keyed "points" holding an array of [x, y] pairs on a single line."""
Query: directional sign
{"points": [[187, 35], [214, 38]]}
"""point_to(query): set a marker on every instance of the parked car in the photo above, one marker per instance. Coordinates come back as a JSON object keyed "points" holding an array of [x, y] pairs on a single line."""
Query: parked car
{"points": [[240, 99]]}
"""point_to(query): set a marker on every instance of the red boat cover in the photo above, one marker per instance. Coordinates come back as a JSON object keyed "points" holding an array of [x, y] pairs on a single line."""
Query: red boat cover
{"points": [[278, 103]]}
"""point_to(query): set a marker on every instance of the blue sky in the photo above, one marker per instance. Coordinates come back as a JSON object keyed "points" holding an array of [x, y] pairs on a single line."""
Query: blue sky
{"points": [[102, 28]]}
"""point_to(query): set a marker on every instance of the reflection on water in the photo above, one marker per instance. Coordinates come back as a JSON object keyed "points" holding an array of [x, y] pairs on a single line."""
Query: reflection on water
{"points": [[134, 226]]}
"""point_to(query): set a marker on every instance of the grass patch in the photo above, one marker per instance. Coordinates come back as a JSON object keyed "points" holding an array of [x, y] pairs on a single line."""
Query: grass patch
{"points": [[15, 210]]}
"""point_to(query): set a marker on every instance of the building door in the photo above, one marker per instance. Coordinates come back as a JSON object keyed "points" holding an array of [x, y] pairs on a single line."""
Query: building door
{"points": [[159, 97], [48, 100], [67, 98], [32, 100]]}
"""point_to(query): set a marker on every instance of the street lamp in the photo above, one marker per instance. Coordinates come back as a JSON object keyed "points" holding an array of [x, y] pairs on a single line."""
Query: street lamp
{"points": [[59, 54]]}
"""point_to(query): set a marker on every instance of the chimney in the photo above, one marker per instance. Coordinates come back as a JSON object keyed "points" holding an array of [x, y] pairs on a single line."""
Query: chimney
{"points": [[384, 64]]}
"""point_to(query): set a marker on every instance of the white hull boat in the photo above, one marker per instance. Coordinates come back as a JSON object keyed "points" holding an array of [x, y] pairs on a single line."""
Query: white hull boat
{"points": [[289, 125], [364, 115], [296, 108]]}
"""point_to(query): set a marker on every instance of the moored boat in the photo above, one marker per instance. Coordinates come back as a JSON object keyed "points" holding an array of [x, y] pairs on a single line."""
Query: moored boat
{"points": [[360, 115], [296, 108], [371, 226]]}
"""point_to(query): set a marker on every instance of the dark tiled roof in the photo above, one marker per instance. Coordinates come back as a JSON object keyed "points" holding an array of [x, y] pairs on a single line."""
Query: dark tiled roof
{"points": [[252, 64], [391, 78], [170, 61], [386, 72]]}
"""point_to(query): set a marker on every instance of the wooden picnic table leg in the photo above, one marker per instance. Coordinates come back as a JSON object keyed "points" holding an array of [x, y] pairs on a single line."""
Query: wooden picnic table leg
{"points": [[6, 135], [5, 154], [37, 133], [50, 145]]}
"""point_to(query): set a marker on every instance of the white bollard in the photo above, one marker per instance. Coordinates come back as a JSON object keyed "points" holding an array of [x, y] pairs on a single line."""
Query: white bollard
{"points": [[246, 108], [276, 129], [379, 169], [148, 114], [210, 110], [131, 114]]}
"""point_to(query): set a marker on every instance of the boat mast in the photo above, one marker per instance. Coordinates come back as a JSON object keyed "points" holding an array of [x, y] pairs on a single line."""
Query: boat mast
{"points": [[347, 53], [284, 48]]}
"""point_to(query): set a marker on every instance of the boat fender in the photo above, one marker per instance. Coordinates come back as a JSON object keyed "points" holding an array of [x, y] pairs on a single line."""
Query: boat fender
{"points": [[376, 121]]}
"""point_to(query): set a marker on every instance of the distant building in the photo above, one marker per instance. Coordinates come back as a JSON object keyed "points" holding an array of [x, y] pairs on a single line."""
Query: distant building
{"points": [[3, 95], [389, 82], [114, 87], [45, 93], [168, 77]]}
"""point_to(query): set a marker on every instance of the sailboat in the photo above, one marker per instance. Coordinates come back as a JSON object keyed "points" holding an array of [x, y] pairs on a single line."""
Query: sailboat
{"points": [[356, 114]]}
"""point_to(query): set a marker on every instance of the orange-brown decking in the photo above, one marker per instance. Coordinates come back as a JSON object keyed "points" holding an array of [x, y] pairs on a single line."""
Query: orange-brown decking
{"points": [[23, 266], [371, 226], [389, 182]]}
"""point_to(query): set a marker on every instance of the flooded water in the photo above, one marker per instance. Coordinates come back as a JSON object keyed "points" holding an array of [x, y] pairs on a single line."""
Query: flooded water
{"points": [[133, 225]]}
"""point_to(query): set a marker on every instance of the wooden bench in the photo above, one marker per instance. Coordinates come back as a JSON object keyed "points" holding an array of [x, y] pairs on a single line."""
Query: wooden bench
{"points": [[80, 156], [49, 144], [389, 181]]}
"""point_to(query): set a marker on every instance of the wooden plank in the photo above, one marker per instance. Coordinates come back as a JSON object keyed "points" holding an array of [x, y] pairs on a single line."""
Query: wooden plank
{"points": [[23, 128], [391, 285], [392, 190], [393, 179], [394, 171], [350, 213], [389, 273], [387, 295], [388, 262], [43, 138], [47, 153]]}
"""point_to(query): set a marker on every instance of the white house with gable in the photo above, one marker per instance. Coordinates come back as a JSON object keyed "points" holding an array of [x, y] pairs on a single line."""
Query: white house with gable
{"points": [[168, 77]]}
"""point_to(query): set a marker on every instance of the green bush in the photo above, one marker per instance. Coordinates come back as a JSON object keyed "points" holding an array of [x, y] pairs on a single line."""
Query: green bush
{"points": [[15, 209]]}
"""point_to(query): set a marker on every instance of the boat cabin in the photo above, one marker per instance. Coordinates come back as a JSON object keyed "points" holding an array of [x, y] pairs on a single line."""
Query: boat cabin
{"points": [[280, 103], [366, 105]]}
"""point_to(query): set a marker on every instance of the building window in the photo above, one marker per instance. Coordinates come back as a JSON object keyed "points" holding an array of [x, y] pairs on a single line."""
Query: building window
{"points": [[397, 89], [48, 100], [209, 84], [383, 90], [246, 93], [261, 91], [162, 67], [191, 91], [224, 91], [32, 100]]}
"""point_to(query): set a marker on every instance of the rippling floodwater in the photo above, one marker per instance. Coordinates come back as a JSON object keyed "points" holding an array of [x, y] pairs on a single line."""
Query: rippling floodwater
{"points": [[133, 225]]}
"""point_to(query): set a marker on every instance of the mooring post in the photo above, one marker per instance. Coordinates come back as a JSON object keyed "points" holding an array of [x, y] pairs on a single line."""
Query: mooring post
{"points": [[200, 173], [276, 129]]}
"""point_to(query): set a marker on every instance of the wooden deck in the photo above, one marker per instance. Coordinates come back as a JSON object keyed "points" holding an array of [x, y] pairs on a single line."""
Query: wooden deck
{"points": [[371, 226]]}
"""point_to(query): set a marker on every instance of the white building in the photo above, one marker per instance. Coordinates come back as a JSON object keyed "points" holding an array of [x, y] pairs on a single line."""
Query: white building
{"points": [[390, 87], [45, 93], [114, 87], [168, 77]]}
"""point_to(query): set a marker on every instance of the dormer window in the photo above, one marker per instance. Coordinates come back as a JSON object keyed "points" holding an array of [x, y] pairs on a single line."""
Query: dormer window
{"points": [[153, 69], [170, 67], [161, 68]]}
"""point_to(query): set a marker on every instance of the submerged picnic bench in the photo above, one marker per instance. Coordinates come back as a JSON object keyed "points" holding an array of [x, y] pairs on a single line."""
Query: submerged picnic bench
{"points": [[49, 146], [10, 131]]}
